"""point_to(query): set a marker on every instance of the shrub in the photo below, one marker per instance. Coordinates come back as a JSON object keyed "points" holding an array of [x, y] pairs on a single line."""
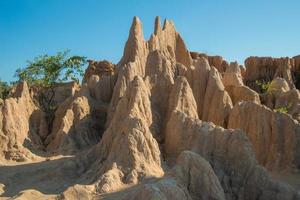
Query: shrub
{"points": [[4, 90], [283, 109], [263, 85]]}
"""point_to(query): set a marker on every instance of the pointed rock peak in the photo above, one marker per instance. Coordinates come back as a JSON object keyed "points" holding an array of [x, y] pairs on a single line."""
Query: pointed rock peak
{"points": [[182, 98], [136, 21], [21, 90], [136, 29], [182, 54], [138, 100], [135, 45], [168, 24], [215, 77], [157, 26]]}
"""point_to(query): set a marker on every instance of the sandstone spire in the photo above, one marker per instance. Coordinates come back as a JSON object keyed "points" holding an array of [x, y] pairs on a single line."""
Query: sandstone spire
{"points": [[182, 98], [135, 45], [136, 28], [217, 103], [168, 24], [157, 26], [128, 148]]}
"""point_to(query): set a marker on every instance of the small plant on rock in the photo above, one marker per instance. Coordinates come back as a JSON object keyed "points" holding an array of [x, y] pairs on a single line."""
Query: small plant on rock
{"points": [[283, 109], [263, 85]]}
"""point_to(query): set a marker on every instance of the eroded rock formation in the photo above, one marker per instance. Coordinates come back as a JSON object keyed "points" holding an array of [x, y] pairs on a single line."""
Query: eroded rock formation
{"points": [[17, 125], [273, 135], [163, 123]]}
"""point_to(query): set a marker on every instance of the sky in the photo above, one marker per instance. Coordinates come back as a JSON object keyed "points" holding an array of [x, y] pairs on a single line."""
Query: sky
{"points": [[98, 29]]}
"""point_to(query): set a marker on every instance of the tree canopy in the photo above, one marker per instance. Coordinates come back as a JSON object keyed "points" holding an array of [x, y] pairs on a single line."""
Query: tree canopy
{"points": [[46, 70]]}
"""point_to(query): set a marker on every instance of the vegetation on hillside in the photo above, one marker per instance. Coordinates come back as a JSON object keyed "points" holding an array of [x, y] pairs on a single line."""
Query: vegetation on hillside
{"points": [[45, 71]]}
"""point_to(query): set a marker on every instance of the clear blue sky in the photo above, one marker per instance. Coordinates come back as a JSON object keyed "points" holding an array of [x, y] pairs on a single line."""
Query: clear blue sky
{"points": [[98, 29]]}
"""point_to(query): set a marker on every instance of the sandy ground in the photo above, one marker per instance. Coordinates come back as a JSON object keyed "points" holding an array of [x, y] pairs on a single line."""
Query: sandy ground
{"points": [[52, 176], [46, 176]]}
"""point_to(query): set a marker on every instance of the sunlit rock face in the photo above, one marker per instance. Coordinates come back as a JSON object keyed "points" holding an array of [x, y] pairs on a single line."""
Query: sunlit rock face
{"points": [[163, 123]]}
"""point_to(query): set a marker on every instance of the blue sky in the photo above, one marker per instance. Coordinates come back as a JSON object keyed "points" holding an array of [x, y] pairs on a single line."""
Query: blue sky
{"points": [[98, 29]]}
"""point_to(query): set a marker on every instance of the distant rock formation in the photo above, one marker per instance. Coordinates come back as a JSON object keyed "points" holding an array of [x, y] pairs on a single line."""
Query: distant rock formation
{"points": [[217, 61], [98, 68], [268, 68]]}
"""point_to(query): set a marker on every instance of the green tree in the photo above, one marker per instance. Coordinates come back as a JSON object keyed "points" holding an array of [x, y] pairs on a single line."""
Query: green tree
{"points": [[4, 89], [44, 72]]}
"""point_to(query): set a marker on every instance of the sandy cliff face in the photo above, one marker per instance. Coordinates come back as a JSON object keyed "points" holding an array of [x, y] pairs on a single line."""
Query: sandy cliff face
{"points": [[163, 123], [17, 127], [273, 135]]}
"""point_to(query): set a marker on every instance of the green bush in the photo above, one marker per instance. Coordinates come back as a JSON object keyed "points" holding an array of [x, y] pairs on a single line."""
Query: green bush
{"points": [[4, 89], [283, 109], [263, 85]]}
